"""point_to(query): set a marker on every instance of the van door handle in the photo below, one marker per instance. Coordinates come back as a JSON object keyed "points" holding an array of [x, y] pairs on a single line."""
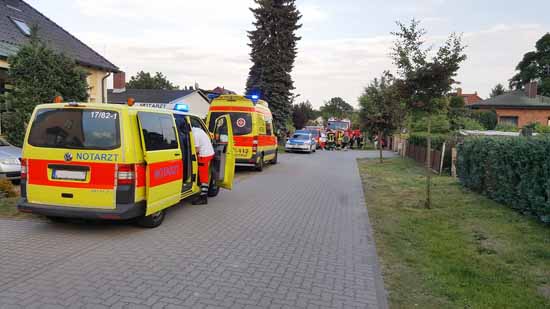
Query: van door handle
{"points": [[177, 154]]}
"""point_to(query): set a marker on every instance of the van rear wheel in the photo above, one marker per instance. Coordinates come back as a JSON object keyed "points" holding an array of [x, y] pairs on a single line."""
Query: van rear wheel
{"points": [[274, 161], [152, 220], [260, 165]]}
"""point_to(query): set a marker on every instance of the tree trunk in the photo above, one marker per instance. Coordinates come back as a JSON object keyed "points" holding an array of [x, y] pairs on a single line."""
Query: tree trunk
{"points": [[428, 203], [380, 146]]}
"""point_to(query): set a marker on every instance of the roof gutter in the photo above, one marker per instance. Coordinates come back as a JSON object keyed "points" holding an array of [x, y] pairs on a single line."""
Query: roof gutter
{"points": [[103, 87]]}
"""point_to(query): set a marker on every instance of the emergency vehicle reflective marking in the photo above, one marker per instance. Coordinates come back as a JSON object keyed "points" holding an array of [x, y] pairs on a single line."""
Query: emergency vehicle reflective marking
{"points": [[238, 109], [100, 176], [96, 157], [165, 172], [247, 141]]}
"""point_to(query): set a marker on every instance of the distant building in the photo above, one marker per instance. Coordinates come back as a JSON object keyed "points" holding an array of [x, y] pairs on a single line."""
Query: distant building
{"points": [[469, 98], [197, 101], [211, 94], [16, 20], [519, 107]]}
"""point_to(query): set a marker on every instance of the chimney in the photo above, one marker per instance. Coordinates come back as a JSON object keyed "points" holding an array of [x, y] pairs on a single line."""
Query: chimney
{"points": [[531, 89], [119, 82], [458, 92]]}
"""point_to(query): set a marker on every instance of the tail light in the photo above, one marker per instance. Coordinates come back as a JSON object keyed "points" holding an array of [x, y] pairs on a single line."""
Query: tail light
{"points": [[23, 169], [126, 174], [255, 145]]}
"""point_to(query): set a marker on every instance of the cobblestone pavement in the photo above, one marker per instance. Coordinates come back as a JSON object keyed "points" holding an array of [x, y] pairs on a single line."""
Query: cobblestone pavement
{"points": [[294, 236]]}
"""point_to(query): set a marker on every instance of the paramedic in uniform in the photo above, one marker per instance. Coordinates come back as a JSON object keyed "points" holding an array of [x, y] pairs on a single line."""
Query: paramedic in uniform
{"points": [[206, 154]]}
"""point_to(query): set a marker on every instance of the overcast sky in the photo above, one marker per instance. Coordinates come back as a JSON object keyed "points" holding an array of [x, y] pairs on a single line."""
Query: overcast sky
{"points": [[344, 45]]}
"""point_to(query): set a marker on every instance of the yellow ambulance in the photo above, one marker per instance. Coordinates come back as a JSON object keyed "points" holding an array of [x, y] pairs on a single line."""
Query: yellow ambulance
{"points": [[116, 162], [252, 124]]}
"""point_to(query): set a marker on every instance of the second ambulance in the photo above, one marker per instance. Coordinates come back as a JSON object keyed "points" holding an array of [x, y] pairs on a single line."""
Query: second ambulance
{"points": [[252, 124]]}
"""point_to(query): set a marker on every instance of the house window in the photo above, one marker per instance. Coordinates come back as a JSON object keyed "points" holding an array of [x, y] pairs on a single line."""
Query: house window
{"points": [[22, 26], [510, 120]]}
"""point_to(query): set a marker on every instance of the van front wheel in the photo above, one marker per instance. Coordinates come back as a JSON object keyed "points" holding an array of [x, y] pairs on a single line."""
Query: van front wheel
{"points": [[152, 220]]}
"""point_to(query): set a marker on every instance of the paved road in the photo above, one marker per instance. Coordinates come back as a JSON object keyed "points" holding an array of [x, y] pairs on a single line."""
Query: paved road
{"points": [[295, 236]]}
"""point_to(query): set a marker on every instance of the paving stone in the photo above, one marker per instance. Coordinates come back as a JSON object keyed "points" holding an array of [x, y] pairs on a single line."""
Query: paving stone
{"points": [[294, 236]]}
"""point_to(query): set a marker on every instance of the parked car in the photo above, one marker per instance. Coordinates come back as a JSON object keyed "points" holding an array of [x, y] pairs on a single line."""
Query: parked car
{"points": [[10, 163], [300, 141]]}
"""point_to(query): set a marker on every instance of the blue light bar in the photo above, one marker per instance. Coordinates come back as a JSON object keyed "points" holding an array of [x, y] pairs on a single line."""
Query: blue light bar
{"points": [[253, 97], [212, 96], [181, 107]]}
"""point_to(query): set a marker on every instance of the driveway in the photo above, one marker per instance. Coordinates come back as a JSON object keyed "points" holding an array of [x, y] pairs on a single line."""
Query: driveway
{"points": [[294, 236]]}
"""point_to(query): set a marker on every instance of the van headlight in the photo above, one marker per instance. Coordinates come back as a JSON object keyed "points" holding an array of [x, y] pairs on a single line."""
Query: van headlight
{"points": [[10, 161]]}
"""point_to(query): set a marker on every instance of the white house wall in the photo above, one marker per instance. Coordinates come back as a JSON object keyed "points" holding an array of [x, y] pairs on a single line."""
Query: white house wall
{"points": [[197, 104]]}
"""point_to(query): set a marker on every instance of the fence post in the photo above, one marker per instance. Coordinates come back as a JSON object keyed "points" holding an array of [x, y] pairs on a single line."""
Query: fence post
{"points": [[453, 161], [442, 158]]}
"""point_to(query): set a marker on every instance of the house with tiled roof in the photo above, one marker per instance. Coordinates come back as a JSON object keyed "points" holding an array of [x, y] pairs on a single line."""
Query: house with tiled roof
{"points": [[469, 98], [16, 20], [519, 107], [197, 101]]}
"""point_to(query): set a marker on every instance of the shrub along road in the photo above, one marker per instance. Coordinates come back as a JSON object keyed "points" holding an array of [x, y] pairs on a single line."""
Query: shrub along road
{"points": [[466, 252], [293, 236]]}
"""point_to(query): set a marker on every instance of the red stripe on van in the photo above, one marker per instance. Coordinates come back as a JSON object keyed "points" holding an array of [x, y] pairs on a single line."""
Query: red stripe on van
{"points": [[263, 140], [165, 172], [238, 109], [102, 175], [140, 175]]}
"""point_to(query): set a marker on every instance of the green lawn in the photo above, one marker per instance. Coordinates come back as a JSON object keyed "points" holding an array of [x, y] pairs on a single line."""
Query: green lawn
{"points": [[465, 252]]}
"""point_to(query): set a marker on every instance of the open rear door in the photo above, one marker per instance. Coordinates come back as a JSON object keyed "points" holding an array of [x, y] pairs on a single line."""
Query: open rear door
{"points": [[224, 152], [163, 158]]}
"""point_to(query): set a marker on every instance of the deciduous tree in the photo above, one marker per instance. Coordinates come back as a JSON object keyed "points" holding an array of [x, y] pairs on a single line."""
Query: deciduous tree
{"points": [[382, 107], [336, 107], [428, 76], [497, 90], [535, 65], [302, 113], [144, 80]]}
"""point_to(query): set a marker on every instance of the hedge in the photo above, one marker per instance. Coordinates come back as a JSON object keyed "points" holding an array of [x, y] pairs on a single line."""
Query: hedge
{"points": [[514, 171], [421, 139]]}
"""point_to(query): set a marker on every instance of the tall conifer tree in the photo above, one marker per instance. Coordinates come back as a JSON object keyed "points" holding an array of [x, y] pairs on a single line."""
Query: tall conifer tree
{"points": [[273, 45]]}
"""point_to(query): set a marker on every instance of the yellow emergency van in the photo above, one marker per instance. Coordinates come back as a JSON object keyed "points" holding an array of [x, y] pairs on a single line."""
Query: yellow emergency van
{"points": [[252, 124], [116, 162]]}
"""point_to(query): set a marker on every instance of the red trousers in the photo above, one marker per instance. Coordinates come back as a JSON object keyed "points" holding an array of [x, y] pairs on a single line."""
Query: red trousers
{"points": [[204, 169]]}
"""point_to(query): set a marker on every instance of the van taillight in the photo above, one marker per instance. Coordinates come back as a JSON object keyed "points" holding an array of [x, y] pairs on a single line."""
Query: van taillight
{"points": [[255, 144], [126, 174], [23, 169]]}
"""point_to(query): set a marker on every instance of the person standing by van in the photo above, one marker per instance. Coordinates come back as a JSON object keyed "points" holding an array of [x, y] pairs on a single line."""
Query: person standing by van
{"points": [[206, 154]]}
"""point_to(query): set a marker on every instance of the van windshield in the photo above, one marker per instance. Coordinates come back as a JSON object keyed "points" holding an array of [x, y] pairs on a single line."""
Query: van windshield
{"points": [[241, 122], [75, 129]]}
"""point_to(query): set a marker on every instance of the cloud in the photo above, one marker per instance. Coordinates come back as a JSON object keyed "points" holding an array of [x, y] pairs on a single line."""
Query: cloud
{"points": [[211, 47]]}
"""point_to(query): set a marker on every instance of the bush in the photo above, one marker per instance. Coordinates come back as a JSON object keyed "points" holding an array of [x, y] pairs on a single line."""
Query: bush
{"points": [[468, 124], [440, 124], [514, 171], [7, 189], [421, 139], [506, 127], [488, 119]]}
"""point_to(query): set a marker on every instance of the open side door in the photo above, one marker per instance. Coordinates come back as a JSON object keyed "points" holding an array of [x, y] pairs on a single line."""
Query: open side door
{"points": [[224, 152], [159, 140]]}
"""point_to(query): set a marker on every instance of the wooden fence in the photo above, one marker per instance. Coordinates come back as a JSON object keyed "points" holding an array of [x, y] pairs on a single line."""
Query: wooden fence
{"points": [[419, 153]]}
